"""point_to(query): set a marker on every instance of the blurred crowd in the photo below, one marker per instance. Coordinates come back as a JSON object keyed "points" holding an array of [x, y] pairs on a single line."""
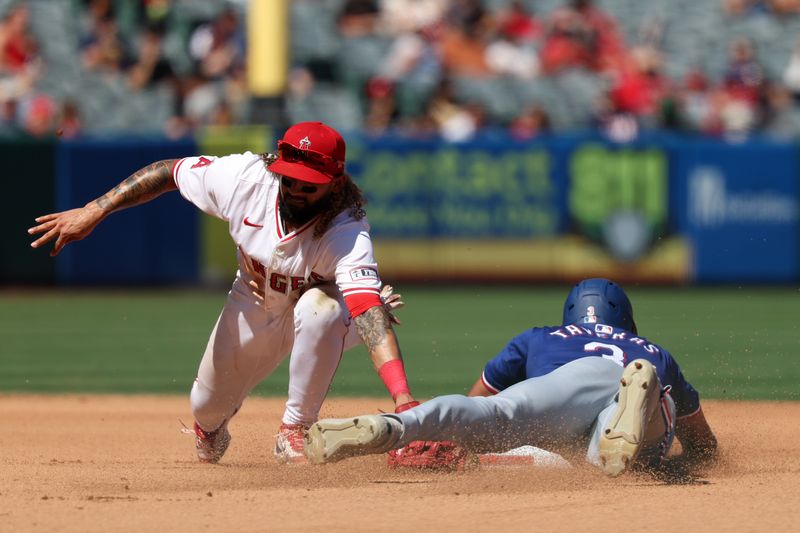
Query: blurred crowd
{"points": [[125, 45], [439, 49], [426, 67]]}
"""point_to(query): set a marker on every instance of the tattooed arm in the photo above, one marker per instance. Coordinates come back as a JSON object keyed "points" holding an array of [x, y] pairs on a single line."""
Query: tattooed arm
{"points": [[75, 224], [375, 328]]}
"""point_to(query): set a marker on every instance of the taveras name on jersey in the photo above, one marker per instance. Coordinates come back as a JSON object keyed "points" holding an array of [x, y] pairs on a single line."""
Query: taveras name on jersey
{"points": [[539, 351]]}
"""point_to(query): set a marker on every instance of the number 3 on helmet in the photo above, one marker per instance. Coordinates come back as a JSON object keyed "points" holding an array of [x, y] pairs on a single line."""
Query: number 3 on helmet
{"points": [[599, 300]]}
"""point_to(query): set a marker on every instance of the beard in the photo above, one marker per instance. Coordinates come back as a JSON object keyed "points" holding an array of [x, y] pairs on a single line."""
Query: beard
{"points": [[299, 214]]}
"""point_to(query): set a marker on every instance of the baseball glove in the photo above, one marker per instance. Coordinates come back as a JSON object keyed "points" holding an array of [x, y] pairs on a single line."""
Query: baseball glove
{"points": [[391, 301], [429, 455]]}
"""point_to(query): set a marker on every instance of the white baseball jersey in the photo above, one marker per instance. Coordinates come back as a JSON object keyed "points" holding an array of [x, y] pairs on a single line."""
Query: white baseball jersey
{"points": [[240, 190]]}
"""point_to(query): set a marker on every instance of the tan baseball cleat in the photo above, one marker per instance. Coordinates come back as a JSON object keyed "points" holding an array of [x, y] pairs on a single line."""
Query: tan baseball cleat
{"points": [[335, 439], [637, 423]]}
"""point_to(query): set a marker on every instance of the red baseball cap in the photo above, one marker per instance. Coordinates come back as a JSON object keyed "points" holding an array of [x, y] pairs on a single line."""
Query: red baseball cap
{"points": [[312, 152]]}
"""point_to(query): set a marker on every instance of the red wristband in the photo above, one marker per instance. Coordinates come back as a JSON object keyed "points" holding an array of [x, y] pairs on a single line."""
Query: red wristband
{"points": [[406, 406], [394, 377]]}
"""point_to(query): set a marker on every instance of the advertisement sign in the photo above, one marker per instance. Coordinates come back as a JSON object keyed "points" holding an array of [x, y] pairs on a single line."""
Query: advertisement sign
{"points": [[661, 209], [738, 205], [619, 196], [491, 189], [498, 209]]}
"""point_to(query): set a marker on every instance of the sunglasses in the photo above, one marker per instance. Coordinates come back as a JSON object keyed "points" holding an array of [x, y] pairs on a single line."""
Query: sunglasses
{"points": [[321, 162], [289, 183]]}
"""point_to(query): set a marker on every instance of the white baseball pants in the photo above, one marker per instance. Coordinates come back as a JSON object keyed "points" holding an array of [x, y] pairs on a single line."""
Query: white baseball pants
{"points": [[248, 343]]}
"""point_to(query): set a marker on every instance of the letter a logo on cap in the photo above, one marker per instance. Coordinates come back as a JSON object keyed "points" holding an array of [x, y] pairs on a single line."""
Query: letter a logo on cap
{"points": [[305, 143]]}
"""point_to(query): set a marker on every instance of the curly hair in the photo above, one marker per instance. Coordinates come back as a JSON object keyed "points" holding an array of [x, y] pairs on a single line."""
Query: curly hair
{"points": [[348, 197]]}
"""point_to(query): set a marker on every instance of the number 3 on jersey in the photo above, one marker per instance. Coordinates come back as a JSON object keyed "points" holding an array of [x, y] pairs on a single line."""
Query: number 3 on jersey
{"points": [[616, 355]]}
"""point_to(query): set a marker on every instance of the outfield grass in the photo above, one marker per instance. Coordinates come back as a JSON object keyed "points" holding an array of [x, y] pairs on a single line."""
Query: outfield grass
{"points": [[732, 343]]}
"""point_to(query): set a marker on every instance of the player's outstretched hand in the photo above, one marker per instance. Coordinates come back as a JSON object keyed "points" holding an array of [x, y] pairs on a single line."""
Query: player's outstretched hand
{"points": [[391, 301], [66, 226]]}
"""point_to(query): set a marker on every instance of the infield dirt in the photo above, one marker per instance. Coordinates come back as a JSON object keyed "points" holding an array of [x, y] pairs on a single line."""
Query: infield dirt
{"points": [[120, 463]]}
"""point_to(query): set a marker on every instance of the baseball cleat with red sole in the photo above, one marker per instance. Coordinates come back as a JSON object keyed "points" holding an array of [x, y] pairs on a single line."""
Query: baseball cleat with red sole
{"points": [[638, 404], [211, 445], [289, 444], [335, 439]]}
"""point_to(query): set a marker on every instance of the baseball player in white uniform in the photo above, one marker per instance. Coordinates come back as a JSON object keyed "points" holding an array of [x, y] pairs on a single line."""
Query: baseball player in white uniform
{"points": [[307, 283]]}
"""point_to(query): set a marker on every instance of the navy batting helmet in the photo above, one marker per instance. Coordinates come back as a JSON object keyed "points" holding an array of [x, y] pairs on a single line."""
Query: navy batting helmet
{"points": [[599, 300]]}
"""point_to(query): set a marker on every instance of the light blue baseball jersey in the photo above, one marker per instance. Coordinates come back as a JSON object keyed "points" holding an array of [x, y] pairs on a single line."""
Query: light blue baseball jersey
{"points": [[538, 351]]}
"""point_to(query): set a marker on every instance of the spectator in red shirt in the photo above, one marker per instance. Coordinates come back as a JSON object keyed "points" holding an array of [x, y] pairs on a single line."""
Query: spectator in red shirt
{"points": [[518, 24], [582, 35], [17, 45], [641, 85], [609, 45], [568, 44]]}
